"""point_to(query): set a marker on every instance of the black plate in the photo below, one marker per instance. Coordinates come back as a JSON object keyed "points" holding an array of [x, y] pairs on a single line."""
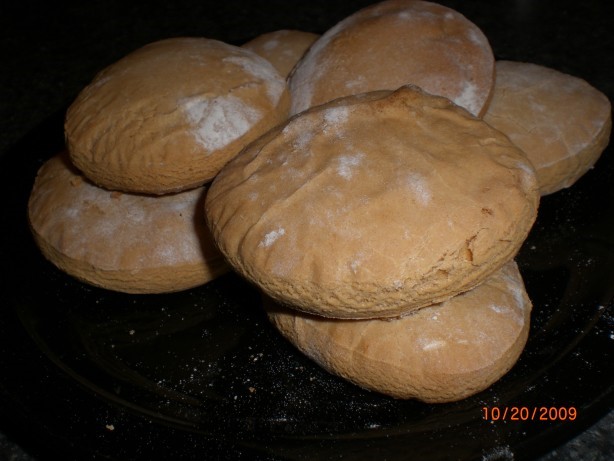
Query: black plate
{"points": [[87, 373], [202, 371]]}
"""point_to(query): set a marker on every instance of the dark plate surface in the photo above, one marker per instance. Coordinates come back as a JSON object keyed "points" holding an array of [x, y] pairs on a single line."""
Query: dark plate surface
{"points": [[88, 373]]}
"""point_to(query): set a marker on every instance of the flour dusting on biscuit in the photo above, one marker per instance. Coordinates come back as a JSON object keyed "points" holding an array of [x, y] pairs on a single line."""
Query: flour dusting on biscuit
{"points": [[366, 208], [440, 353], [395, 43], [561, 122], [169, 115]]}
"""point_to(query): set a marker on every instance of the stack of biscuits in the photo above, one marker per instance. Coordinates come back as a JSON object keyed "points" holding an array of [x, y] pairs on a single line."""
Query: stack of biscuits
{"points": [[374, 182], [123, 207]]}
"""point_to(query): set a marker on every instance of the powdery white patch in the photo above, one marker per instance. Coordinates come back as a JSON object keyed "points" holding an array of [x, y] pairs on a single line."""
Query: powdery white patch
{"points": [[72, 212], [516, 290], [292, 173], [271, 237], [271, 45], [469, 98], [255, 66], [347, 163], [218, 121], [185, 206], [136, 215], [518, 297], [528, 174], [356, 84], [301, 131], [176, 254], [503, 453], [303, 141], [499, 309], [335, 117], [356, 262], [475, 37], [123, 221], [419, 186], [288, 53], [101, 81], [431, 345], [515, 314], [263, 70]]}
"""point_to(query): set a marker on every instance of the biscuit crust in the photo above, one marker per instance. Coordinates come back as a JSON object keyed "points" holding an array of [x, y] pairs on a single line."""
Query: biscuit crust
{"points": [[122, 242], [438, 354], [282, 48], [561, 122], [373, 205], [395, 43], [169, 115]]}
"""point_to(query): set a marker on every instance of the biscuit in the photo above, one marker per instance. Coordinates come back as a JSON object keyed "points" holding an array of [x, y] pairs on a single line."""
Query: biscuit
{"points": [[441, 353], [373, 205], [123, 242], [561, 122], [394, 43], [282, 48], [169, 115]]}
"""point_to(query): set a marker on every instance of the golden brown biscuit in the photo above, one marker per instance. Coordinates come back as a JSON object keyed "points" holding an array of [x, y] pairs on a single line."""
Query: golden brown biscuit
{"points": [[561, 122], [394, 43], [441, 353], [373, 205], [122, 242], [169, 115], [282, 48]]}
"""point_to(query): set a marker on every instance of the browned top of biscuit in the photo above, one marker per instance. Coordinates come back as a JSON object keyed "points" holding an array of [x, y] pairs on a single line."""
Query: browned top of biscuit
{"points": [[373, 205], [169, 115], [394, 43]]}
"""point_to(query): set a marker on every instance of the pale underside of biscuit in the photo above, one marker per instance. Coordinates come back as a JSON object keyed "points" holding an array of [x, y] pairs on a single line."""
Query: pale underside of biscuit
{"points": [[441, 353], [121, 242], [395, 43], [169, 115], [373, 205], [561, 122]]}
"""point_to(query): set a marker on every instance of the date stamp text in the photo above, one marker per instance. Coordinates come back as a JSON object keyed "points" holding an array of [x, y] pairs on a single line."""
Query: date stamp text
{"points": [[529, 413]]}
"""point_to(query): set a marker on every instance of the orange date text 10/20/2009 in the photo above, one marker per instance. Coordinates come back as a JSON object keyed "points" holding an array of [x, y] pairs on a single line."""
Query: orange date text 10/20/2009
{"points": [[529, 413]]}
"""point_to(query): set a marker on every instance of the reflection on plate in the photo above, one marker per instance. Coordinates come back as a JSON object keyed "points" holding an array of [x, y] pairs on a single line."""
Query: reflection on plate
{"points": [[202, 372]]}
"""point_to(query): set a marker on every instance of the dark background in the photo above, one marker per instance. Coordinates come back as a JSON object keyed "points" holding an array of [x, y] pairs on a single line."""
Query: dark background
{"points": [[50, 50]]}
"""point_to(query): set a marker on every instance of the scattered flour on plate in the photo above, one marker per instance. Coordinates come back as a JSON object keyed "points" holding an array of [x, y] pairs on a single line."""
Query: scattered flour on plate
{"points": [[499, 454]]}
